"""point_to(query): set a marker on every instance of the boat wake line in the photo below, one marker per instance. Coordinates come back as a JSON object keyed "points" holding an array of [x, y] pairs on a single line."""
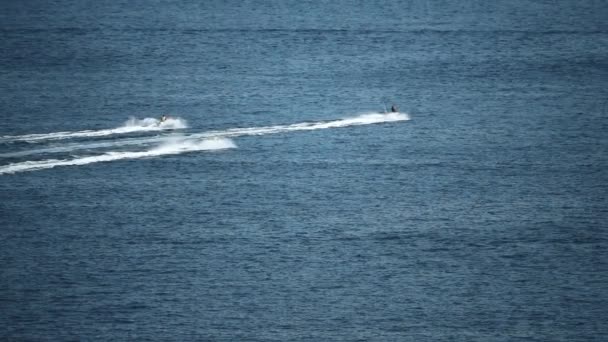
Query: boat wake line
{"points": [[131, 126], [158, 145]]}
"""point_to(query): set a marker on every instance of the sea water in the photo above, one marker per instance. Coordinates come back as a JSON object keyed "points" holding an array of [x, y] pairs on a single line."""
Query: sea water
{"points": [[281, 201]]}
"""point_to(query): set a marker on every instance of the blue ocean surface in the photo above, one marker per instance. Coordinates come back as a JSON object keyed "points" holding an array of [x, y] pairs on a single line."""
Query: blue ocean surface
{"points": [[282, 200]]}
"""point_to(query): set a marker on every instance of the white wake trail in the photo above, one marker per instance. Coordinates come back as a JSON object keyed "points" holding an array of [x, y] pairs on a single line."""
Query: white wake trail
{"points": [[131, 126], [180, 144], [365, 119], [176, 146]]}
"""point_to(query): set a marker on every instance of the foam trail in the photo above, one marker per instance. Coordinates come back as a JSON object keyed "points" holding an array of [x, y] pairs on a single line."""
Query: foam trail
{"points": [[364, 119], [175, 146], [131, 126], [73, 147]]}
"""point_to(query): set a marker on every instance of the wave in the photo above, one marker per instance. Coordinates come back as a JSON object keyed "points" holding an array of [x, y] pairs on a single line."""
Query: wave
{"points": [[176, 146], [364, 119], [174, 143], [132, 125]]}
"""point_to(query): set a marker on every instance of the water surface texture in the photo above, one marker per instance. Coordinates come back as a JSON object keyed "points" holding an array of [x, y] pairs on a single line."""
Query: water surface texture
{"points": [[280, 201]]}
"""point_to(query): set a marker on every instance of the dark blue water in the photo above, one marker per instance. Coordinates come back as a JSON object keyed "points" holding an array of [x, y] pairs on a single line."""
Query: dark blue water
{"points": [[280, 203]]}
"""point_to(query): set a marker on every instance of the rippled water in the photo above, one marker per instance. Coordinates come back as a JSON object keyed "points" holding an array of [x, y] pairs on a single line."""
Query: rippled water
{"points": [[280, 201]]}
